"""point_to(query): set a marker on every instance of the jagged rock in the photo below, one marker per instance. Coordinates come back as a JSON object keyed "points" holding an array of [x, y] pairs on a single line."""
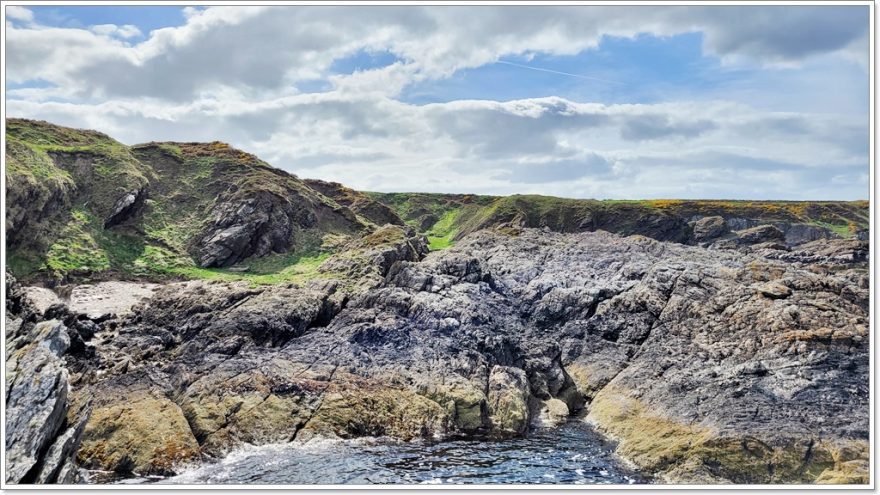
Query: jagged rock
{"points": [[799, 233], [58, 465], [709, 228], [255, 225], [508, 400], [36, 400], [684, 354], [370, 258], [840, 252]]}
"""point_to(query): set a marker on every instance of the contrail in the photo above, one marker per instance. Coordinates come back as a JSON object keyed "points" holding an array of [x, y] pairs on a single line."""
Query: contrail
{"points": [[557, 72]]}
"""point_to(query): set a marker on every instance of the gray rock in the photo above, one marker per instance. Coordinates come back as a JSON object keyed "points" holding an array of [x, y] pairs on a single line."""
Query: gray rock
{"points": [[799, 233], [720, 347], [36, 403], [831, 252], [40, 445], [709, 228], [255, 225], [58, 465], [759, 234]]}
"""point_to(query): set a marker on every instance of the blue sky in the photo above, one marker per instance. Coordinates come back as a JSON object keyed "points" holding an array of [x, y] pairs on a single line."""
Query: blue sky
{"points": [[570, 101], [146, 18]]}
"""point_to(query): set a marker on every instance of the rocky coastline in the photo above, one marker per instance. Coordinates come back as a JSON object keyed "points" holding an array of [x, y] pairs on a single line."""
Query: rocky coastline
{"points": [[167, 303], [737, 362]]}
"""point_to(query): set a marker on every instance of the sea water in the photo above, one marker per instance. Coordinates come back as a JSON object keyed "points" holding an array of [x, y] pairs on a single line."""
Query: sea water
{"points": [[571, 454]]}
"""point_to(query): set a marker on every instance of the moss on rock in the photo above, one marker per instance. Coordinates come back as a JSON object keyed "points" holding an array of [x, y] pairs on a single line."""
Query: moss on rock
{"points": [[692, 453], [144, 435], [369, 410]]}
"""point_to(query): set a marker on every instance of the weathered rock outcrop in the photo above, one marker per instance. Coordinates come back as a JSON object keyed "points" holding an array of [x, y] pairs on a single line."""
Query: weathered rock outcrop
{"points": [[709, 228], [43, 430], [253, 226], [125, 207], [706, 365]]}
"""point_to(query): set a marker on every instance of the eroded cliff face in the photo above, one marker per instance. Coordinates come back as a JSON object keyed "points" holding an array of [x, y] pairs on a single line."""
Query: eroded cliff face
{"points": [[706, 364]]}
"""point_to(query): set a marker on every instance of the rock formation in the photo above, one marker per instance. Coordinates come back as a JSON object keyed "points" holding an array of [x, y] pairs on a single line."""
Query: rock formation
{"points": [[43, 428], [715, 341], [704, 364]]}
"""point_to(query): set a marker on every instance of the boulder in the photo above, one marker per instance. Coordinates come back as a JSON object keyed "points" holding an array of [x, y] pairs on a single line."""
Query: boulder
{"points": [[709, 228], [760, 234], [137, 434]]}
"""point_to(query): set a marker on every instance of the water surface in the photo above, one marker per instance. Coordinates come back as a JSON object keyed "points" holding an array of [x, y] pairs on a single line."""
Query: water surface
{"points": [[572, 454]]}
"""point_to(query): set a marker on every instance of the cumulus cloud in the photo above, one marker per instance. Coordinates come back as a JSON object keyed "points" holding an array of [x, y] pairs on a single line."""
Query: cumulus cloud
{"points": [[546, 145], [219, 46], [124, 31], [231, 73]]}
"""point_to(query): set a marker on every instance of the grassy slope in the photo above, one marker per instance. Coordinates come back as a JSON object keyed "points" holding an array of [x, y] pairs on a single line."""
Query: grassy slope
{"points": [[184, 180], [451, 215]]}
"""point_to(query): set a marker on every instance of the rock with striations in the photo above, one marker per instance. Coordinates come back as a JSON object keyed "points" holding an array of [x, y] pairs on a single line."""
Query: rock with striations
{"points": [[43, 431], [705, 365], [254, 225], [759, 234]]}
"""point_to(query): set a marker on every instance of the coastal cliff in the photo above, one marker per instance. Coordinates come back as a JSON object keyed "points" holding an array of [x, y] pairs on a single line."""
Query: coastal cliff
{"points": [[715, 342]]}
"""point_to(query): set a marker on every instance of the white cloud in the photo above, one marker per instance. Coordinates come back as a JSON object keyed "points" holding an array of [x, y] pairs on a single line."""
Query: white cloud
{"points": [[546, 145], [266, 49], [230, 73], [125, 31], [19, 13]]}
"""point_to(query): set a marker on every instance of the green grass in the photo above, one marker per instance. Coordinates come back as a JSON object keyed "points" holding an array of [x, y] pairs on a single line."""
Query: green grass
{"points": [[76, 249], [269, 270], [442, 233], [843, 230]]}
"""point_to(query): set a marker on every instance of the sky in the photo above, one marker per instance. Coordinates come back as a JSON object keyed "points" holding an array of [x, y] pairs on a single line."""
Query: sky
{"points": [[622, 102]]}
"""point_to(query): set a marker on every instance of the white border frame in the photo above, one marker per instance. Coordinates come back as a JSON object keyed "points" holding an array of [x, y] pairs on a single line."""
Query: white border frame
{"points": [[542, 487]]}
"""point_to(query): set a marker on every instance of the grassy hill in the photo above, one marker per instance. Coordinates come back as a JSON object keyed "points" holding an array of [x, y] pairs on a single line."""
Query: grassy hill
{"points": [[68, 214], [447, 217]]}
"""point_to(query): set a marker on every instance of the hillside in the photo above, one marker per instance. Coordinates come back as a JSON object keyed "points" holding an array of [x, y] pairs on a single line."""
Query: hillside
{"points": [[84, 206], [449, 217]]}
